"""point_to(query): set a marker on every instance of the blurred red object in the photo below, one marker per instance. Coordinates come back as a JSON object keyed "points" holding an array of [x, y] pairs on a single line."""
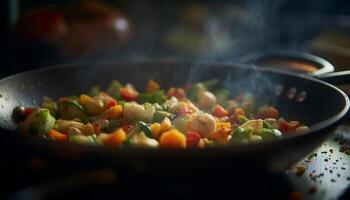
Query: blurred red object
{"points": [[86, 27], [45, 25]]}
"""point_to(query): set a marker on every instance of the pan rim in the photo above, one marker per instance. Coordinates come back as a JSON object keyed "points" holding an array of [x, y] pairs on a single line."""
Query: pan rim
{"points": [[314, 129]]}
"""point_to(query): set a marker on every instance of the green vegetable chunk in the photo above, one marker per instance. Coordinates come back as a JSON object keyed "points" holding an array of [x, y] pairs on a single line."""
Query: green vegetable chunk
{"points": [[39, 122], [241, 119], [154, 97], [239, 135], [69, 110], [146, 129], [268, 134], [51, 106], [82, 139], [112, 125], [160, 115]]}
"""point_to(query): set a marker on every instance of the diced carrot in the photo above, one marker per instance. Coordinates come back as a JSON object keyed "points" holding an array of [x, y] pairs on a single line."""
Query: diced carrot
{"points": [[220, 136], [155, 129], [115, 139], [57, 136], [152, 86], [114, 112], [192, 139], [219, 111], [165, 124], [172, 139]]}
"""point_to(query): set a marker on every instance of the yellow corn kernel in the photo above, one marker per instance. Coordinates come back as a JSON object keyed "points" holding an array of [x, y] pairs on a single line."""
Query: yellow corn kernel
{"points": [[225, 126], [84, 99], [155, 129], [220, 136], [165, 125]]}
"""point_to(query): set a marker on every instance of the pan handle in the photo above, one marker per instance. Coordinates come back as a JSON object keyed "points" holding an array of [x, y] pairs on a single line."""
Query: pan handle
{"points": [[336, 78]]}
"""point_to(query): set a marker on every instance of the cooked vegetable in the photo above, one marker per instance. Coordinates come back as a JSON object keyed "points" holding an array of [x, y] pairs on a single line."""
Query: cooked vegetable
{"points": [[57, 136], [185, 117], [219, 111], [141, 140], [152, 86], [192, 139], [92, 106], [39, 122], [160, 115], [115, 139], [69, 110], [82, 139], [239, 135], [145, 128], [172, 139], [113, 113], [154, 97], [266, 133], [202, 123], [206, 99], [128, 93], [51, 106]]}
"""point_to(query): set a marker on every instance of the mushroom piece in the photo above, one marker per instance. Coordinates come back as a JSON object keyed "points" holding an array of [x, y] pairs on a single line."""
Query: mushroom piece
{"points": [[203, 123]]}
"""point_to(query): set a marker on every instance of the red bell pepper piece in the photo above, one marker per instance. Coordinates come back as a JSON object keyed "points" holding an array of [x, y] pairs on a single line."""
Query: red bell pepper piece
{"points": [[128, 94], [219, 111], [192, 139]]}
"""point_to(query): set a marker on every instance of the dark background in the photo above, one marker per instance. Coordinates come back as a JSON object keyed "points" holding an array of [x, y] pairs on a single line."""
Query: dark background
{"points": [[236, 28]]}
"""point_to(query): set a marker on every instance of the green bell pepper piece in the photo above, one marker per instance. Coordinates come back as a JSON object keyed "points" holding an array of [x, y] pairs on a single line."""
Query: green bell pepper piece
{"points": [[39, 122]]}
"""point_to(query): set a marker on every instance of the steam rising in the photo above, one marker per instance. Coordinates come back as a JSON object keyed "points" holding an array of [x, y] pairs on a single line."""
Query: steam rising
{"points": [[251, 27]]}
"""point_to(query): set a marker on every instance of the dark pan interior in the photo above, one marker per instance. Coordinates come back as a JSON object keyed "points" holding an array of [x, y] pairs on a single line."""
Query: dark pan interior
{"points": [[28, 89]]}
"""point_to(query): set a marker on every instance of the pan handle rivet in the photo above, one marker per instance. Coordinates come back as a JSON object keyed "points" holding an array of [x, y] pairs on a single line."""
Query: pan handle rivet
{"points": [[279, 90], [301, 96], [291, 93]]}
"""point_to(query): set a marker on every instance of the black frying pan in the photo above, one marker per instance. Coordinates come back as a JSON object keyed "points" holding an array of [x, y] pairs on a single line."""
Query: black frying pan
{"points": [[323, 109]]}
